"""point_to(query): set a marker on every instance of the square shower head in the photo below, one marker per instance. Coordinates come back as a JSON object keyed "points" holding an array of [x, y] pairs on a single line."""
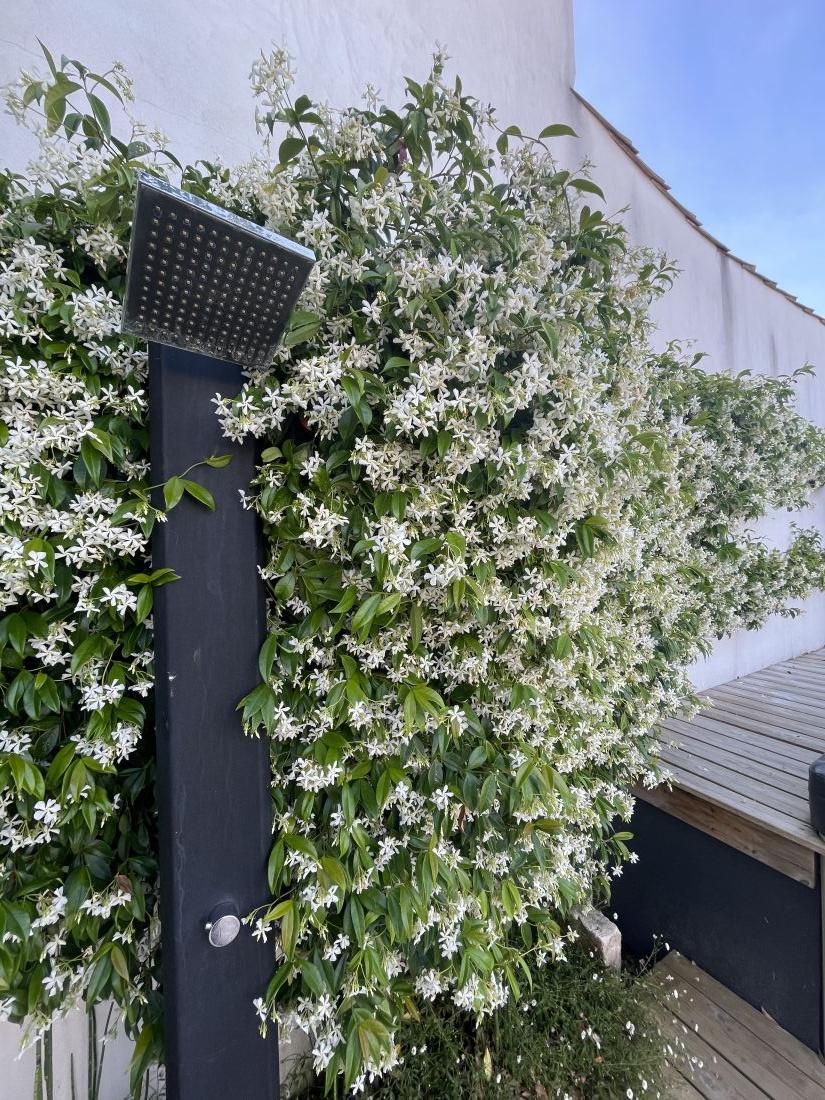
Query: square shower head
{"points": [[203, 279]]}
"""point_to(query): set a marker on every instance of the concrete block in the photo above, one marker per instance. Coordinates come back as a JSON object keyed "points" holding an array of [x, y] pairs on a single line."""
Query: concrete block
{"points": [[602, 935]]}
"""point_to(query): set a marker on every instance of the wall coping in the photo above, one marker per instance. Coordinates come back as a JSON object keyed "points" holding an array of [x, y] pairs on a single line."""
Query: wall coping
{"points": [[627, 146]]}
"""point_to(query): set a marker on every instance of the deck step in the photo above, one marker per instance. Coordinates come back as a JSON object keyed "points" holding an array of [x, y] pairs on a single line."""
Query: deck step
{"points": [[721, 1048], [740, 766]]}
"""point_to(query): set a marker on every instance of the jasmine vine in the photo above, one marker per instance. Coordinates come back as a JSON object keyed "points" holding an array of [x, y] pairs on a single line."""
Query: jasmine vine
{"points": [[500, 526]]}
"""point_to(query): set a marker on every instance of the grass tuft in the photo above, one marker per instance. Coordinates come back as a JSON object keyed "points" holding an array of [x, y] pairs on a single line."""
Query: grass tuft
{"points": [[582, 1033]]}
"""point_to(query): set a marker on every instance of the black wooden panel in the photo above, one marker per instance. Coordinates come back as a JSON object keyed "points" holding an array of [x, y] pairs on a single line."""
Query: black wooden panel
{"points": [[214, 783], [753, 929]]}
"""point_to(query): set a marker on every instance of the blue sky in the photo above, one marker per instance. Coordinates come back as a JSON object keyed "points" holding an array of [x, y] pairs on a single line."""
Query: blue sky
{"points": [[726, 100]]}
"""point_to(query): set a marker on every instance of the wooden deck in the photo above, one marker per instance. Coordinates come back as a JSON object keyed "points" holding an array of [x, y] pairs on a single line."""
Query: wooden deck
{"points": [[740, 766], [721, 1048]]}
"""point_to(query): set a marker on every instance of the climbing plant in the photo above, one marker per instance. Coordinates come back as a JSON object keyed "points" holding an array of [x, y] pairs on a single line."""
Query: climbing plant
{"points": [[499, 526], [78, 892]]}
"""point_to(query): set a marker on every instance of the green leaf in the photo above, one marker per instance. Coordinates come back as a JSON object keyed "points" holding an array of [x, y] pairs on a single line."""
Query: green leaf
{"points": [[510, 897], [389, 603], [92, 460], [90, 647], [266, 658], [172, 492], [477, 757], [217, 462], [59, 764], [49, 59], [429, 699], [163, 576], [54, 106], [456, 542], [334, 870], [289, 929], [17, 633], [488, 793], [102, 442], [145, 601], [302, 327], [346, 601], [558, 129], [101, 114], [289, 149], [362, 619], [142, 1057], [300, 843], [119, 962], [352, 1060], [284, 587], [356, 916], [587, 186], [443, 441], [275, 865], [524, 772], [313, 977], [410, 710], [199, 493], [101, 974]]}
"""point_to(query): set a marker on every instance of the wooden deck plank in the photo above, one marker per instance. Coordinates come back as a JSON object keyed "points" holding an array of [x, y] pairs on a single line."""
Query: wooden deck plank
{"points": [[811, 660], [764, 695], [813, 684], [769, 722], [813, 667], [775, 698], [717, 726], [796, 668], [790, 858], [730, 780], [747, 748], [735, 701], [678, 1087], [731, 715], [766, 1030], [723, 1046], [815, 659], [747, 755], [751, 810], [800, 703], [713, 1077], [737, 779], [801, 677], [737, 754], [732, 1040], [796, 682]]}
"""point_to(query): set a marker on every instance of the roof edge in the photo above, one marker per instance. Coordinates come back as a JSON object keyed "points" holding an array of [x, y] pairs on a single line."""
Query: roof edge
{"points": [[664, 188]]}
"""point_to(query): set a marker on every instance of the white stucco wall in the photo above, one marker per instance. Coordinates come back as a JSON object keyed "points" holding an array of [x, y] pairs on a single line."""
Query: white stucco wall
{"points": [[741, 323], [190, 64]]}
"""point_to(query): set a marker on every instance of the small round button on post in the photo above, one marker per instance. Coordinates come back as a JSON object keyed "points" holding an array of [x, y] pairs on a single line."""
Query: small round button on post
{"points": [[223, 925]]}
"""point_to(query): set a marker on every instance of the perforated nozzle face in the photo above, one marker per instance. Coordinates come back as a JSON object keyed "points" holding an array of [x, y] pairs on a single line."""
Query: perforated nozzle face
{"points": [[203, 279]]}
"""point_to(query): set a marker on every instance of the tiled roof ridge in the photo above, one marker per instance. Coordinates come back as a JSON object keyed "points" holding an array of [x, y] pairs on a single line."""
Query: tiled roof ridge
{"points": [[627, 145]]}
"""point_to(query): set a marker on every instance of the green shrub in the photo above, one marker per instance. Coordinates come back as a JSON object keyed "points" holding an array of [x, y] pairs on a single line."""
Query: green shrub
{"points": [[500, 525]]}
